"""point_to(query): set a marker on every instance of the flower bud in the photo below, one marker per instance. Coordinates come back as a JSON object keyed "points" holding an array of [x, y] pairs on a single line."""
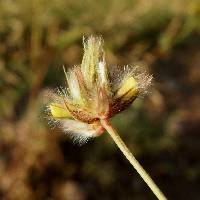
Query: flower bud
{"points": [[58, 111], [93, 53], [128, 90]]}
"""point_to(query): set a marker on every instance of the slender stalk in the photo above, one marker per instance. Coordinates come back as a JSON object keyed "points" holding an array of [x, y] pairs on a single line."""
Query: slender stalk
{"points": [[145, 176]]}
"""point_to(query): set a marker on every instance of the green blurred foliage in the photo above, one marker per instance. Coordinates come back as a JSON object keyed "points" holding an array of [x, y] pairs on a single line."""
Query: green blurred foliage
{"points": [[37, 37]]}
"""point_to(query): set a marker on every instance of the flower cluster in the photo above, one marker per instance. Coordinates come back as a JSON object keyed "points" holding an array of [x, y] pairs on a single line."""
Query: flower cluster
{"points": [[95, 91]]}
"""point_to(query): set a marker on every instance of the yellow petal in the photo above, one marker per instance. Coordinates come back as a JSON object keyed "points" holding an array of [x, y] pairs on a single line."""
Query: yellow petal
{"points": [[128, 90], [58, 111]]}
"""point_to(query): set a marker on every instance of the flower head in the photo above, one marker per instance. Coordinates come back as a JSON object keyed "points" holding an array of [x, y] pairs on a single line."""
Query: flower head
{"points": [[95, 91]]}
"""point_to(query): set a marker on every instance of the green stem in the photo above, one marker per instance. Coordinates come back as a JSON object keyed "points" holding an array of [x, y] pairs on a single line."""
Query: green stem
{"points": [[145, 176]]}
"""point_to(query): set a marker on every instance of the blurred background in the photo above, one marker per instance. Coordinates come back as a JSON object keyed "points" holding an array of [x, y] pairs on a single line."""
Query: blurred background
{"points": [[37, 37]]}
